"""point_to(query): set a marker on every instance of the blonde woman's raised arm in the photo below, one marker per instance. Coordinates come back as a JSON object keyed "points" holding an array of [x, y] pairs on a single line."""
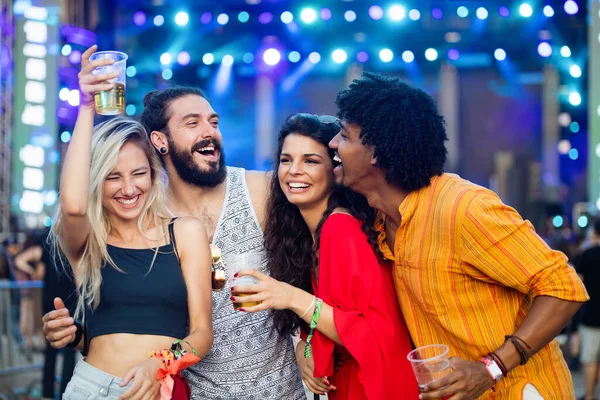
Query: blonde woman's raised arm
{"points": [[75, 176]]}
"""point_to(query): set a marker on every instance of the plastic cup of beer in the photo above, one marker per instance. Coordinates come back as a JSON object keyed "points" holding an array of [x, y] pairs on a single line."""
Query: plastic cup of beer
{"points": [[111, 102], [429, 363], [238, 262]]}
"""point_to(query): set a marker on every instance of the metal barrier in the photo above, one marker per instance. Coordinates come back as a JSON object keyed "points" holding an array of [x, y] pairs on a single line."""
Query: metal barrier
{"points": [[20, 366]]}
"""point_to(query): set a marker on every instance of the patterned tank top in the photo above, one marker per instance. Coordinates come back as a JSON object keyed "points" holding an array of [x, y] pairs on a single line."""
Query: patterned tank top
{"points": [[249, 359]]}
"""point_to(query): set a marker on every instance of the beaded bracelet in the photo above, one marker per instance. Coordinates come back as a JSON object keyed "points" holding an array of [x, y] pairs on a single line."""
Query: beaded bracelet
{"points": [[313, 324]]}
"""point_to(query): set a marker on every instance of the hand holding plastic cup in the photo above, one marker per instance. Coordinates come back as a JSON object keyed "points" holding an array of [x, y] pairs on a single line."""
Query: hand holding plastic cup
{"points": [[238, 262], [429, 363], [111, 102]]}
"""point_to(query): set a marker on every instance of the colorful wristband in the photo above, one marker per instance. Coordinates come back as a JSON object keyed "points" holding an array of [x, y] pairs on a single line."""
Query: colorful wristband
{"points": [[313, 324]]}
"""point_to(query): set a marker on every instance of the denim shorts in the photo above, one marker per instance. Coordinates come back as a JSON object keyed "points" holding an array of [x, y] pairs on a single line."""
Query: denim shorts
{"points": [[90, 383]]}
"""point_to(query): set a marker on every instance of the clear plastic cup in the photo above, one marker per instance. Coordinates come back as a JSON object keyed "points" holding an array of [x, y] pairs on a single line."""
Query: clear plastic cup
{"points": [[111, 102], [238, 262], [429, 363]]}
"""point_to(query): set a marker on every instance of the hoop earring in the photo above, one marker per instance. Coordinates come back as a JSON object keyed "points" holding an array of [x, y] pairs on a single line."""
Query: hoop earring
{"points": [[163, 150]]}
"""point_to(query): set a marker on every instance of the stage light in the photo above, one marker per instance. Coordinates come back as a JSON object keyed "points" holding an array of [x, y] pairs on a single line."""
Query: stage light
{"points": [[482, 13], [182, 18], [431, 54], [575, 98], [408, 56], [362, 56], [526, 10], [183, 58], [376, 12], [131, 71], [574, 127], [414, 14], [308, 15], [63, 94], [243, 17], [396, 12], [437, 13], [167, 74], [294, 56], [165, 59], [573, 154], [564, 119], [339, 56], [462, 11], [271, 56], [386, 55], [557, 221], [227, 60], [159, 20], [350, 16], [582, 221], [206, 17], [565, 51], [265, 18], [75, 57], [548, 11], [453, 54], [575, 71], [500, 54], [287, 17], [248, 58], [544, 49], [66, 50], [571, 7], [314, 57], [208, 59], [73, 98], [325, 14], [223, 19], [65, 137], [564, 146], [504, 12], [130, 109]]}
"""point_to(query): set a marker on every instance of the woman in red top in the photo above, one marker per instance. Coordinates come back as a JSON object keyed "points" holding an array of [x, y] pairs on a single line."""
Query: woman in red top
{"points": [[321, 244]]}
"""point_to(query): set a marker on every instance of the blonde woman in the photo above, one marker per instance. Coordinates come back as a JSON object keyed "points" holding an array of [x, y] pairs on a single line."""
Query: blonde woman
{"points": [[141, 276]]}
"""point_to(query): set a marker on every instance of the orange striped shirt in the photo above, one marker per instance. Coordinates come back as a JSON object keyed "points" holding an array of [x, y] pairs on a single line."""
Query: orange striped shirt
{"points": [[467, 268]]}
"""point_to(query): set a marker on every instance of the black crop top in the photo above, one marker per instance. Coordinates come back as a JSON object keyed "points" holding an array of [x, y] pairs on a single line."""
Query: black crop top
{"points": [[141, 300]]}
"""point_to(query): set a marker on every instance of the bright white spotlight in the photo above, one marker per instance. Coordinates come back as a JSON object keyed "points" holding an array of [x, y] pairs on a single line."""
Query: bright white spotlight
{"points": [[271, 56], [182, 18], [575, 71], [223, 19], [462, 11], [564, 146], [408, 56], [565, 51], [227, 60], [414, 14], [64, 94], [526, 10], [339, 56], [308, 15], [386, 55], [287, 17], [208, 59], [575, 98], [396, 12], [548, 11], [350, 16], [500, 54], [431, 54], [165, 59], [314, 57], [482, 13], [159, 20]]}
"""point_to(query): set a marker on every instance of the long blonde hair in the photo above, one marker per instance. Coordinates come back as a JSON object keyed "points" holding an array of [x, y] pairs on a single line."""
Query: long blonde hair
{"points": [[107, 140]]}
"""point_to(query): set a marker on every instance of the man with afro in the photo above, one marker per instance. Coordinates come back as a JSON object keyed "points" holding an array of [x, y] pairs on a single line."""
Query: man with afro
{"points": [[469, 272]]}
